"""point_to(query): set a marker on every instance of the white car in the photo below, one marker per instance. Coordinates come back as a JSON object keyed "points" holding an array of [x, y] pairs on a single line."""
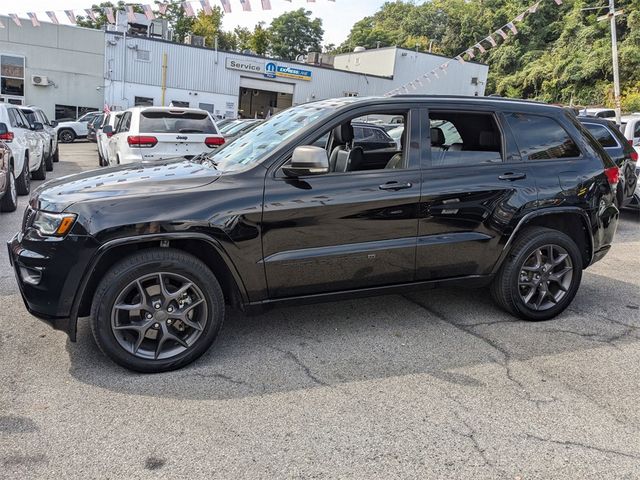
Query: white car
{"points": [[48, 133], [156, 133], [26, 145], [102, 139], [598, 112], [69, 131]]}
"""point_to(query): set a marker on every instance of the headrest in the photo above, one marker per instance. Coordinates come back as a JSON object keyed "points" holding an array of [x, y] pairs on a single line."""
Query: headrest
{"points": [[487, 139], [437, 137], [343, 134]]}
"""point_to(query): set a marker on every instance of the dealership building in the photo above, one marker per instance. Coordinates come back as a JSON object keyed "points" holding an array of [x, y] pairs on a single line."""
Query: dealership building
{"points": [[67, 70]]}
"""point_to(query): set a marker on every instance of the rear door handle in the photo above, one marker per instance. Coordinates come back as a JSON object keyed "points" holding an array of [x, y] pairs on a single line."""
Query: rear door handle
{"points": [[512, 176], [395, 186]]}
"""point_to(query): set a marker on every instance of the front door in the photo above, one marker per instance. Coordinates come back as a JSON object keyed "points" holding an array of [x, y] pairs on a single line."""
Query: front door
{"points": [[348, 229]]}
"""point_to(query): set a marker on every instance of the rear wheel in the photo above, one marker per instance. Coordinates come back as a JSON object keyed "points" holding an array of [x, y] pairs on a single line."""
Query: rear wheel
{"points": [[541, 276], [56, 155], [41, 172], [49, 159], [23, 182], [66, 136], [157, 310], [9, 201]]}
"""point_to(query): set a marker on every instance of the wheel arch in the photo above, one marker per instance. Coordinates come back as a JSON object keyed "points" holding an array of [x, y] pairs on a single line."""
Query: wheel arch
{"points": [[572, 221], [200, 246]]}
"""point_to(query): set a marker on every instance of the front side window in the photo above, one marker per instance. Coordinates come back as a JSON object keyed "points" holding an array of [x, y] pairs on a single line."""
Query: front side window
{"points": [[602, 135], [541, 138], [464, 138]]}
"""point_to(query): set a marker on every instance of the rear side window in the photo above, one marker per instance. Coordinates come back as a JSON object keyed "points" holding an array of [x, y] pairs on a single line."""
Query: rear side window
{"points": [[176, 122], [31, 116], [541, 138], [601, 134]]}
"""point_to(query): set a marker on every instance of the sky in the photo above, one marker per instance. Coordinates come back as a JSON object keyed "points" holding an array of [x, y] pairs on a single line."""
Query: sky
{"points": [[337, 17]]}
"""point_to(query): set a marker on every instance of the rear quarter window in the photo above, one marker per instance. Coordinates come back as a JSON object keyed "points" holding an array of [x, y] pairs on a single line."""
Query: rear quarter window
{"points": [[168, 122], [602, 135], [541, 138]]}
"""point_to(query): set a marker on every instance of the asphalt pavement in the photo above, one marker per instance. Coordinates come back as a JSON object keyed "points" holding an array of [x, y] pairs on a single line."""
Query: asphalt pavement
{"points": [[435, 384]]}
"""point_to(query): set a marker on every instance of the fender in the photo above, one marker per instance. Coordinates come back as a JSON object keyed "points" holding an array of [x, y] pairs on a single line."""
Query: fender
{"points": [[73, 318], [539, 213]]}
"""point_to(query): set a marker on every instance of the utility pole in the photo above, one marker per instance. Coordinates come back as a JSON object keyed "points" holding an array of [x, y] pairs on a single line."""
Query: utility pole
{"points": [[611, 16]]}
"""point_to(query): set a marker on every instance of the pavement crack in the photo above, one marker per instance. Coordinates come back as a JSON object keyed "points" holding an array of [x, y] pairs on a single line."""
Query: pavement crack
{"points": [[303, 366], [221, 376], [569, 443]]}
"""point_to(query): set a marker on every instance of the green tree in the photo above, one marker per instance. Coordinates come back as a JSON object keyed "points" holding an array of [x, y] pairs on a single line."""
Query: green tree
{"points": [[260, 41], [179, 22], [295, 33], [208, 26], [101, 19]]}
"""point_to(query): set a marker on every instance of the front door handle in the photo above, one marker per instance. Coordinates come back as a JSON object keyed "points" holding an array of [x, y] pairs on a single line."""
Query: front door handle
{"points": [[512, 176], [395, 186]]}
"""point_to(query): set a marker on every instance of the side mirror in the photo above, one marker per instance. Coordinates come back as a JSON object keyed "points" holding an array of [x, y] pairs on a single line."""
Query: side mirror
{"points": [[107, 130], [37, 126], [53, 123], [3, 129], [307, 160]]}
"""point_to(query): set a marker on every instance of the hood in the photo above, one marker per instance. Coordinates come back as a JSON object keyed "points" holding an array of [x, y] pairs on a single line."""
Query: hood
{"points": [[134, 179]]}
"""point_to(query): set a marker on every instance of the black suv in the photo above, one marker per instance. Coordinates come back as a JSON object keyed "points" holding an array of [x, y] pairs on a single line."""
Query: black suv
{"points": [[485, 191]]}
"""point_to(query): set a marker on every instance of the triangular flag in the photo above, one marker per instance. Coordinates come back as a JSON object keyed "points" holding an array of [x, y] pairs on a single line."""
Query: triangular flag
{"points": [[15, 19], [533, 8], [131, 14], [502, 34], [90, 14], [226, 6], [266, 4], [246, 5], [512, 27], [460, 59], [480, 47], [71, 16], [520, 17], [34, 19], [558, 2], [188, 9], [148, 12], [53, 18], [491, 40], [108, 11], [206, 7], [470, 53], [162, 8]]}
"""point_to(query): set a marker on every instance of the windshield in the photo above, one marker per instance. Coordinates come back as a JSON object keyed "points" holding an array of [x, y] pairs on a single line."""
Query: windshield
{"points": [[239, 127], [249, 149]]}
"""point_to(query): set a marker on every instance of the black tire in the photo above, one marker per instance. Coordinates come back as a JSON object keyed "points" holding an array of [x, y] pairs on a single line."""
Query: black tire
{"points": [[66, 135], [101, 160], [56, 155], [508, 288], [9, 201], [23, 182], [41, 172], [48, 161], [149, 263]]}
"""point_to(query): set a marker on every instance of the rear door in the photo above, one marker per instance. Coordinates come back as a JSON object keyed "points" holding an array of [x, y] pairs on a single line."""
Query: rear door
{"points": [[474, 183], [178, 132]]}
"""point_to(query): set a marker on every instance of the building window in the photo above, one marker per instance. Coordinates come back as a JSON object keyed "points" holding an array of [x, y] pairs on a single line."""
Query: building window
{"points": [[143, 102], [12, 79], [179, 104], [72, 112], [208, 107], [350, 94], [143, 55]]}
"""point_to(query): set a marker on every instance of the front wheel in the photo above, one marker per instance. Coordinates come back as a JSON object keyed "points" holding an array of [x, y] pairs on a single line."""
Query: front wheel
{"points": [[541, 276], [49, 159], [41, 172], [23, 182], [66, 136], [157, 310], [56, 155], [9, 201]]}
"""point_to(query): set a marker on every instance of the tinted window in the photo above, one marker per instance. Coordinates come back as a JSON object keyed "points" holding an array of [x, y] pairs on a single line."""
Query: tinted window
{"points": [[66, 112], [601, 134], [17, 119], [636, 130], [31, 116], [541, 138], [124, 123], [143, 102], [176, 122]]}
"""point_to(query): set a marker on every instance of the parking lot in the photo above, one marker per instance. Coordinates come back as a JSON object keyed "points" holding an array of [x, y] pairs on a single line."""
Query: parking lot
{"points": [[434, 384]]}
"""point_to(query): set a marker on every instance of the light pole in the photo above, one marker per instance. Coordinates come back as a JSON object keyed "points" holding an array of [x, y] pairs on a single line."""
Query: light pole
{"points": [[611, 16]]}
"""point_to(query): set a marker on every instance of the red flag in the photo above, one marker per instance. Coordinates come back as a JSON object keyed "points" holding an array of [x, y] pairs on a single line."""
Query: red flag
{"points": [[246, 5], [71, 16], [34, 19], [15, 19], [108, 11], [206, 7], [53, 18], [106, 109]]}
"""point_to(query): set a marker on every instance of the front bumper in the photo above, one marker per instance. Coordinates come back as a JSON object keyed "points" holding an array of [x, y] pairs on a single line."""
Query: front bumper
{"points": [[48, 272]]}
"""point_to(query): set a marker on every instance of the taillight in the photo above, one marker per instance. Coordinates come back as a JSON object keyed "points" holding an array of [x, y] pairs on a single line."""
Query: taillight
{"points": [[634, 156], [6, 137], [613, 175], [213, 141], [109, 135], [141, 141]]}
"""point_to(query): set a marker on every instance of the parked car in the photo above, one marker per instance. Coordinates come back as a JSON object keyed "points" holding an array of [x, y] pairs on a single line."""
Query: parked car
{"points": [[93, 126], [8, 192], [523, 200], [50, 127], [44, 134], [237, 128], [68, 132], [26, 145], [598, 112], [620, 151], [156, 133], [372, 137], [396, 134], [102, 139], [630, 128]]}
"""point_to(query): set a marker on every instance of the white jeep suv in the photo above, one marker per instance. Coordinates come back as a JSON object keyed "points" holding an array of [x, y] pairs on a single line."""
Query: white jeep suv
{"points": [[69, 131], [26, 144], [156, 133]]}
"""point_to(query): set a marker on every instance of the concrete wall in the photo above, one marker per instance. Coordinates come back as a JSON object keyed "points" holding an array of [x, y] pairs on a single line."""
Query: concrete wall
{"points": [[72, 58]]}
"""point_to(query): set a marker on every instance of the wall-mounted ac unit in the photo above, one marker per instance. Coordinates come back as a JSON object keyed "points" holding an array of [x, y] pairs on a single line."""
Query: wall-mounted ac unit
{"points": [[40, 80]]}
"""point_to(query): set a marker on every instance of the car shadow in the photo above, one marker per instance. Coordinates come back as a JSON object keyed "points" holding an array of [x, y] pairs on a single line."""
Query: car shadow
{"points": [[328, 345]]}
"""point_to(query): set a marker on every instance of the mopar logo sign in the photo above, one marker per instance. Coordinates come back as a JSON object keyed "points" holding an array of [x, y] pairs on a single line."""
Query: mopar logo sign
{"points": [[272, 71]]}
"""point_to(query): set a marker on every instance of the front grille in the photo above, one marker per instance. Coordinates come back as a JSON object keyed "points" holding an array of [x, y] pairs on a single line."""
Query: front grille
{"points": [[27, 219]]}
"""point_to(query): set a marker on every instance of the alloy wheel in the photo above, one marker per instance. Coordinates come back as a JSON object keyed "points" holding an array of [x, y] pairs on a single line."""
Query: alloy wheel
{"points": [[159, 316], [545, 277]]}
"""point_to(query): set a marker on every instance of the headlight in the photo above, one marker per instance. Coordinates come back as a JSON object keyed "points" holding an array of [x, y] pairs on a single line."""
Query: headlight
{"points": [[53, 224]]}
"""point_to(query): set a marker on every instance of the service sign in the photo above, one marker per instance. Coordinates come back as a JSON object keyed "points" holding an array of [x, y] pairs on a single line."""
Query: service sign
{"points": [[245, 65], [272, 71]]}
